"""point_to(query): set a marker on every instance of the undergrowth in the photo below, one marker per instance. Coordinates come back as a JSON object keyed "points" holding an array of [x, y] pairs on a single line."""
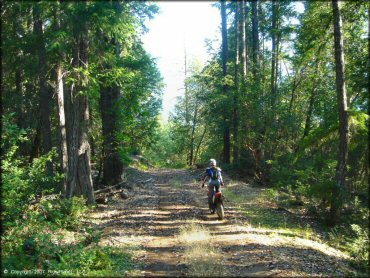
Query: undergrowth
{"points": [[38, 243], [276, 211], [38, 223]]}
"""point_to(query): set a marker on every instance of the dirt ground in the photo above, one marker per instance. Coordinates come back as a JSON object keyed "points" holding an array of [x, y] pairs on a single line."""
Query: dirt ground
{"points": [[162, 202]]}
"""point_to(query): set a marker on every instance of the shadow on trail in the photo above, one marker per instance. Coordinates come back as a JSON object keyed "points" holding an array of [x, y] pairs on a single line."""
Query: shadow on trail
{"points": [[158, 211]]}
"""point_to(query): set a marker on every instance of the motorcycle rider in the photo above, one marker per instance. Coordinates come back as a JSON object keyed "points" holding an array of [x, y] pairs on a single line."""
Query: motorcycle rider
{"points": [[213, 174]]}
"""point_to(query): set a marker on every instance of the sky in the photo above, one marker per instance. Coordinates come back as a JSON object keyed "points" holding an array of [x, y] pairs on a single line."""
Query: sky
{"points": [[180, 26]]}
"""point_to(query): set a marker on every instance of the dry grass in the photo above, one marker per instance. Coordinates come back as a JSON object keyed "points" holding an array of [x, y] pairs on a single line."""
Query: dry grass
{"points": [[203, 259]]}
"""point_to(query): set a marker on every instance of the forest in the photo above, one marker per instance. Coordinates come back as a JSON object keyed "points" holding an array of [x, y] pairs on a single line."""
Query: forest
{"points": [[283, 105]]}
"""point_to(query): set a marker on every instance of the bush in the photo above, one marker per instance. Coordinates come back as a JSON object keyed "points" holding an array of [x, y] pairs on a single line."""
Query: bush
{"points": [[21, 185], [22, 182], [37, 242], [39, 251], [359, 247]]}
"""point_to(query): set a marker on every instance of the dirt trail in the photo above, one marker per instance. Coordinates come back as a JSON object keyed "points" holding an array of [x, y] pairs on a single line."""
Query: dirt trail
{"points": [[151, 220]]}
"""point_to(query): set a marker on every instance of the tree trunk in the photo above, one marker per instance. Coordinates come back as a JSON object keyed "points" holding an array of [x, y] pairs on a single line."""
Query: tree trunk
{"points": [[277, 49], [310, 107], [243, 43], [79, 180], [260, 15], [112, 164], [224, 38], [339, 188], [273, 51], [292, 96], [17, 33], [236, 81], [59, 91], [62, 126], [84, 167], [199, 144], [195, 119], [109, 104], [72, 139], [72, 125], [262, 77], [35, 150], [255, 40], [19, 92], [226, 123], [248, 32], [187, 110], [307, 126], [45, 98]]}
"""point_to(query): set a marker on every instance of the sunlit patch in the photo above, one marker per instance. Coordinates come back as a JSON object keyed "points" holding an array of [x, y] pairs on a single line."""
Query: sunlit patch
{"points": [[201, 256], [274, 238], [176, 207], [327, 250], [194, 233], [156, 212]]}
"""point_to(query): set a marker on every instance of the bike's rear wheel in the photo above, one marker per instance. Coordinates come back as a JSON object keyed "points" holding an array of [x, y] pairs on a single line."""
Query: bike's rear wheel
{"points": [[220, 211]]}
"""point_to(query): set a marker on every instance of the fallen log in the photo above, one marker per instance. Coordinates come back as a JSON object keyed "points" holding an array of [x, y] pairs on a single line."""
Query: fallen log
{"points": [[109, 187], [146, 181]]}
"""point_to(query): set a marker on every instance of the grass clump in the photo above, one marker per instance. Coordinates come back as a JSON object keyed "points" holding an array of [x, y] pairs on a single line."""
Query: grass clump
{"points": [[176, 183], [202, 258], [193, 233]]}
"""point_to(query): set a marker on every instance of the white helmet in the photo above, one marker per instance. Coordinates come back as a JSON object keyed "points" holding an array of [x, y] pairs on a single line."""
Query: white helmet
{"points": [[212, 162]]}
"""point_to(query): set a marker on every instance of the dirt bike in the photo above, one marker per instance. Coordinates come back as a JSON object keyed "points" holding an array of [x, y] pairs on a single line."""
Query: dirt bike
{"points": [[217, 204]]}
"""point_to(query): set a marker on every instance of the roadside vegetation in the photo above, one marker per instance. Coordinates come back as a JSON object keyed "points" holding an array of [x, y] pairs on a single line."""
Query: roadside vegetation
{"points": [[276, 212], [50, 237], [44, 233]]}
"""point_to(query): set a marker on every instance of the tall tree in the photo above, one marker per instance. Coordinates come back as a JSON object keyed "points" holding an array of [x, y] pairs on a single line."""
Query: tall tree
{"points": [[187, 112], [226, 121], [274, 51], [112, 164], [193, 128], [79, 180], [110, 96], [18, 33], [307, 126], [238, 43], [255, 40], [243, 40], [339, 188], [59, 91], [45, 97]]}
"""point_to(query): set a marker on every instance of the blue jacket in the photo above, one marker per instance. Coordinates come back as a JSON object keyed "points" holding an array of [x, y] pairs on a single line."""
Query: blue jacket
{"points": [[209, 173]]}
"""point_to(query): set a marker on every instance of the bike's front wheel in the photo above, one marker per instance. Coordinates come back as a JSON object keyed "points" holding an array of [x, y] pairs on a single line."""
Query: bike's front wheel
{"points": [[220, 211]]}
